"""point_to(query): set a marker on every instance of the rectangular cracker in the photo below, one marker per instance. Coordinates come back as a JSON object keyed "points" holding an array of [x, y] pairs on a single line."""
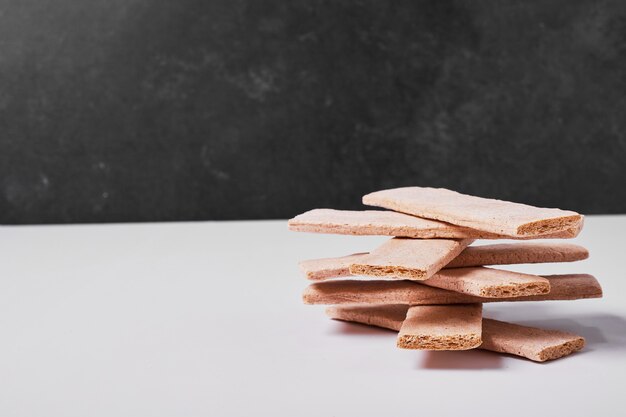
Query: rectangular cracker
{"points": [[518, 253], [488, 282], [390, 223], [498, 336], [479, 281], [536, 344], [380, 223], [452, 327], [562, 287], [389, 316], [498, 254], [414, 259], [489, 215], [327, 268]]}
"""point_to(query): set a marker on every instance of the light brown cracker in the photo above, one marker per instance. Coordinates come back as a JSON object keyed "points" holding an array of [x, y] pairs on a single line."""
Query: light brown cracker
{"points": [[388, 316], [563, 287], [498, 254], [381, 223], [532, 343], [518, 253], [452, 327], [327, 268], [414, 259], [489, 215], [392, 223], [488, 282]]}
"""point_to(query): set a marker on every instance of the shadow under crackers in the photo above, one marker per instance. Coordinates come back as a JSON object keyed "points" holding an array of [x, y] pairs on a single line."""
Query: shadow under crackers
{"points": [[462, 359], [349, 328], [601, 331]]}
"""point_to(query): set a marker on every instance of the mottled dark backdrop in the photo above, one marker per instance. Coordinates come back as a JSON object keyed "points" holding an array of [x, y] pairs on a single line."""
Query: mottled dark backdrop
{"points": [[124, 110]]}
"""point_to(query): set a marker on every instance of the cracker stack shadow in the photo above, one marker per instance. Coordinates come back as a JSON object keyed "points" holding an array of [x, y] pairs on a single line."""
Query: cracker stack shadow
{"points": [[429, 284]]}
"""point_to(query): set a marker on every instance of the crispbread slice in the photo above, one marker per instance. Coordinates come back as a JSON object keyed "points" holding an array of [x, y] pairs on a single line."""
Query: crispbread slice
{"points": [[414, 259], [388, 316], [518, 253], [488, 282], [392, 223], [536, 344], [479, 281], [451, 327], [381, 223], [498, 336], [562, 287], [498, 254], [327, 268], [489, 215]]}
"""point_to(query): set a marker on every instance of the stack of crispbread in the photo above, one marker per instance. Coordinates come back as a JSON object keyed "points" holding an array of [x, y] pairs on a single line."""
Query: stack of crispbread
{"points": [[429, 284]]}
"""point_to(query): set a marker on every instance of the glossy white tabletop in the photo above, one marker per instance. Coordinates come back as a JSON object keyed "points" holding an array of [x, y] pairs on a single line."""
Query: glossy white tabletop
{"points": [[205, 319]]}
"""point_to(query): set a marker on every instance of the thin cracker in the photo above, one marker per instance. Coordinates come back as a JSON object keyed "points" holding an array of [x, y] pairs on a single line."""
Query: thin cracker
{"points": [[392, 223], [498, 254], [488, 282], [451, 327], [489, 215], [562, 287], [415, 259]]}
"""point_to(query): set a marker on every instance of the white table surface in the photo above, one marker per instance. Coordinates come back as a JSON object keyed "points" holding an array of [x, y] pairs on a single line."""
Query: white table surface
{"points": [[205, 319]]}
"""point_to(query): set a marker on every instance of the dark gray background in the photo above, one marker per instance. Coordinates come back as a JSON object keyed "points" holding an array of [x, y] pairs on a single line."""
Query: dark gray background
{"points": [[125, 110]]}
